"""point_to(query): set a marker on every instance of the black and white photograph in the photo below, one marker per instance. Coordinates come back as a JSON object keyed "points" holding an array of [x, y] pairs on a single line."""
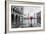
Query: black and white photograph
{"points": [[25, 16]]}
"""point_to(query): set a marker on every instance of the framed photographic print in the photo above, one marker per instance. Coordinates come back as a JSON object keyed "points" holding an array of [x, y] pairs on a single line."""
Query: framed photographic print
{"points": [[24, 16]]}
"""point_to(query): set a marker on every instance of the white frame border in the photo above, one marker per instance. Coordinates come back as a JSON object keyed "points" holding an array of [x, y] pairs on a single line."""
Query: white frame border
{"points": [[22, 29]]}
